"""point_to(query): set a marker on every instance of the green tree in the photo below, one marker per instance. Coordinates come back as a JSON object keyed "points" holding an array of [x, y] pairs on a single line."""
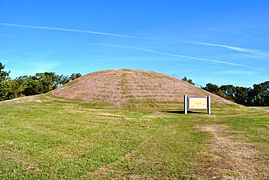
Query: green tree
{"points": [[74, 76], [49, 81], [30, 85], [33, 87], [9, 89], [260, 94], [211, 88], [256, 96], [4, 75], [228, 91], [63, 80], [241, 95], [187, 80]]}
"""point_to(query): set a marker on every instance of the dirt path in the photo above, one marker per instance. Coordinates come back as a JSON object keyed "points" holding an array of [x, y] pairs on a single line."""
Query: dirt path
{"points": [[232, 158]]}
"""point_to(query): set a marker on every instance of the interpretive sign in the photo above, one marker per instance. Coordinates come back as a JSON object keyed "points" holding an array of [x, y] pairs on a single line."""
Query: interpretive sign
{"points": [[197, 103]]}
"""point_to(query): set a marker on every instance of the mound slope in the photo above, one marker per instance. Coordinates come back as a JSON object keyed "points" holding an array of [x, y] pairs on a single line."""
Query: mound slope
{"points": [[120, 86]]}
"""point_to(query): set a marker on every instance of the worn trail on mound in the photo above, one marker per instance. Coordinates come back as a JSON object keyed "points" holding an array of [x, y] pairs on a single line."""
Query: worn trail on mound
{"points": [[121, 86]]}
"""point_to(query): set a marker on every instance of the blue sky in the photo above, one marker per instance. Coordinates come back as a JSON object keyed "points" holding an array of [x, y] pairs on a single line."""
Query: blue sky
{"points": [[223, 42]]}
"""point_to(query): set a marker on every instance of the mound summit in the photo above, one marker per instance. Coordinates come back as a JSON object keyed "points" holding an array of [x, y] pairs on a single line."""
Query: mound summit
{"points": [[122, 86]]}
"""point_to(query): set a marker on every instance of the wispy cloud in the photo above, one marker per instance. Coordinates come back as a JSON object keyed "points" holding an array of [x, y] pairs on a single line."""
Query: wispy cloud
{"points": [[234, 48], [234, 72], [152, 51], [65, 29], [175, 55]]}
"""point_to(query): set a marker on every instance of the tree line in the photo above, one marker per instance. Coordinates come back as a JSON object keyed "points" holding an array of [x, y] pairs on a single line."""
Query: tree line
{"points": [[47, 81], [30, 85], [256, 96]]}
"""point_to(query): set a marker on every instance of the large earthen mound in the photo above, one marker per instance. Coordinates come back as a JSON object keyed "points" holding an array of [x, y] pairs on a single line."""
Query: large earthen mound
{"points": [[121, 86]]}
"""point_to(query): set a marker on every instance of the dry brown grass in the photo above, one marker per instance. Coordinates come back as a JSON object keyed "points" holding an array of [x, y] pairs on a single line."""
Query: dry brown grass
{"points": [[232, 158], [35, 98], [120, 86]]}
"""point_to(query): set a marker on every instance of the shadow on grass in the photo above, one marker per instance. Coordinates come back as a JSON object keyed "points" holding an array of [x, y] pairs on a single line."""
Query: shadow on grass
{"points": [[182, 112]]}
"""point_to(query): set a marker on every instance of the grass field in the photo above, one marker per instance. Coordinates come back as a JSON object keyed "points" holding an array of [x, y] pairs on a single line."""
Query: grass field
{"points": [[49, 138]]}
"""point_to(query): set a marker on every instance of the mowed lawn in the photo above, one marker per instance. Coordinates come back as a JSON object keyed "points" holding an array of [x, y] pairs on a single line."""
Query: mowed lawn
{"points": [[54, 138]]}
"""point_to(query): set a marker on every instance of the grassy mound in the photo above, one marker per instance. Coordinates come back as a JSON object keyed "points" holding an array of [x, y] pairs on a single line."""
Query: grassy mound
{"points": [[131, 88]]}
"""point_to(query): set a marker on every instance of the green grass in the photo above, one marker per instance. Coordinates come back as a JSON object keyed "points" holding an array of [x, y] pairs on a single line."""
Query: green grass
{"points": [[252, 126], [59, 139]]}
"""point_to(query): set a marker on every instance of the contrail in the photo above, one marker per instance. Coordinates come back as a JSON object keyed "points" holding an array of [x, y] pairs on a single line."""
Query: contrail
{"points": [[237, 49], [175, 55], [65, 29], [136, 48]]}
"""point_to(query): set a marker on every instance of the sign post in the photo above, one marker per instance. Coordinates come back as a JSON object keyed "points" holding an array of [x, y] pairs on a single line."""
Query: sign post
{"points": [[197, 103], [185, 104], [208, 105]]}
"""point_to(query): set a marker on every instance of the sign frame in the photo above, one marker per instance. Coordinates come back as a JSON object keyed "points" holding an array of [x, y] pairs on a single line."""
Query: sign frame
{"points": [[187, 103]]}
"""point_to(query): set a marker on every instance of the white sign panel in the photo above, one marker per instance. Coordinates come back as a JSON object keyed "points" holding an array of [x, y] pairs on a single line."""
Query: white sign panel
{"points": [[197, 103]]}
